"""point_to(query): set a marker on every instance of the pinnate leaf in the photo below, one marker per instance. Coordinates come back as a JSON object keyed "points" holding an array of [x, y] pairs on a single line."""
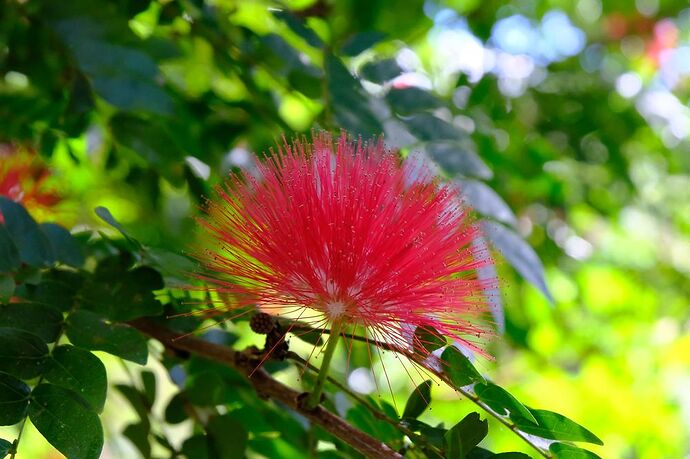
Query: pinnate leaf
{"points": [[66, 421], [458, 368], [418, 400]]}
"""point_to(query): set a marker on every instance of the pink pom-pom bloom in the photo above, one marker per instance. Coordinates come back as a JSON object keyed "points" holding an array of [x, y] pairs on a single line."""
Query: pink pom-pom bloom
{"points": [[345, 231]]}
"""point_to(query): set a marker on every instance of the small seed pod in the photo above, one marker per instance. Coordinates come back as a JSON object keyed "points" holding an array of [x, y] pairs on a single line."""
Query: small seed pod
{"points": [[276, 345], [262, 323]]}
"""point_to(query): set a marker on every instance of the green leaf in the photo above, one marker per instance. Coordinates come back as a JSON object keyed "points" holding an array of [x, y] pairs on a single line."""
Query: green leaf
{"points": [[175, 412], [138, 434], [5, 447], [430, 434], [107, 217], [555, 426], [197, 447], [465, 435], [33, 246], [511, 455], [14, 399], [501, 401], [298, 26], [206, 389], [360, 42], [418, 401], [105, 49], [80, 371], [56, 288], [148, 378], [486, 201], [459, 369], [229, 436], [362, 418], [9, 254], [351, 108], [150, 139], [427, 339], [565, 451], [90, 331], [137, 399], [380, 71], [454, 157], [121, 294], [66, 421], [65, 248], [40, 320], [22, 354], [412, 100], [519, 254], [7, 287], [428, 127]]}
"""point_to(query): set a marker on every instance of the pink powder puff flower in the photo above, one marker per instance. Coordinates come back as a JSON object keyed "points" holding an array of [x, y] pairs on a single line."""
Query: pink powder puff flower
{"points": [[345, 231]]}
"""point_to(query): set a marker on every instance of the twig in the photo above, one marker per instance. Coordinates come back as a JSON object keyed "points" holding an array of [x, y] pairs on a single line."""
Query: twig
{"points": [[472, 397], [268, 387]]}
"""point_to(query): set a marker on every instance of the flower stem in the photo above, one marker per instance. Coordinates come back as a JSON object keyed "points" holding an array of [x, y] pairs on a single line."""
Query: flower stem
{"points": [[315, 396]]}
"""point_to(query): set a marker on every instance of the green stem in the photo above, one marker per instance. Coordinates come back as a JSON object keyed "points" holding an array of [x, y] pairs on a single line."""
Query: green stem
{"points": [[315, 396]]}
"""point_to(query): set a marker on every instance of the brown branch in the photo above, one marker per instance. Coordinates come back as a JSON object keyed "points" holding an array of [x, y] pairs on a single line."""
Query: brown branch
{"points": [[266, 386]]}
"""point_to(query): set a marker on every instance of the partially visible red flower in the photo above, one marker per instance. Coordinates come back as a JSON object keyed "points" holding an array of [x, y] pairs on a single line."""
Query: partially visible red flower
{"points": [[345, 231], [23, 178]]}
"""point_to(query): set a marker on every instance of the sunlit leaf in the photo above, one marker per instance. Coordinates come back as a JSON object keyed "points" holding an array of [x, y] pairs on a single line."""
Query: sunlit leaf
{"points": [[501, 401], [565, 451], [555, 426]]}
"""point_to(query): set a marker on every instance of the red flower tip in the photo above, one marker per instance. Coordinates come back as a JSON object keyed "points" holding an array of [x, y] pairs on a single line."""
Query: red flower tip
{"points": [[23, 178], [343, 230]]}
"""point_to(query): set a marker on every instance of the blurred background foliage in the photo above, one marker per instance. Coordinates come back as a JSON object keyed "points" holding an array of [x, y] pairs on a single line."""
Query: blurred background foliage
{"points": [[566, 122]]}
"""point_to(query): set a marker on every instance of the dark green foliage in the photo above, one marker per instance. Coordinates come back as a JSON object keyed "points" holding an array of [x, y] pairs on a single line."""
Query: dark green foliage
{"points": [[458, 368], [32, 244], [67, 421], [91, 331], [22, 354], [38, 319], [14, 399], [80, 371], [418, 401], [465, 435]]}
